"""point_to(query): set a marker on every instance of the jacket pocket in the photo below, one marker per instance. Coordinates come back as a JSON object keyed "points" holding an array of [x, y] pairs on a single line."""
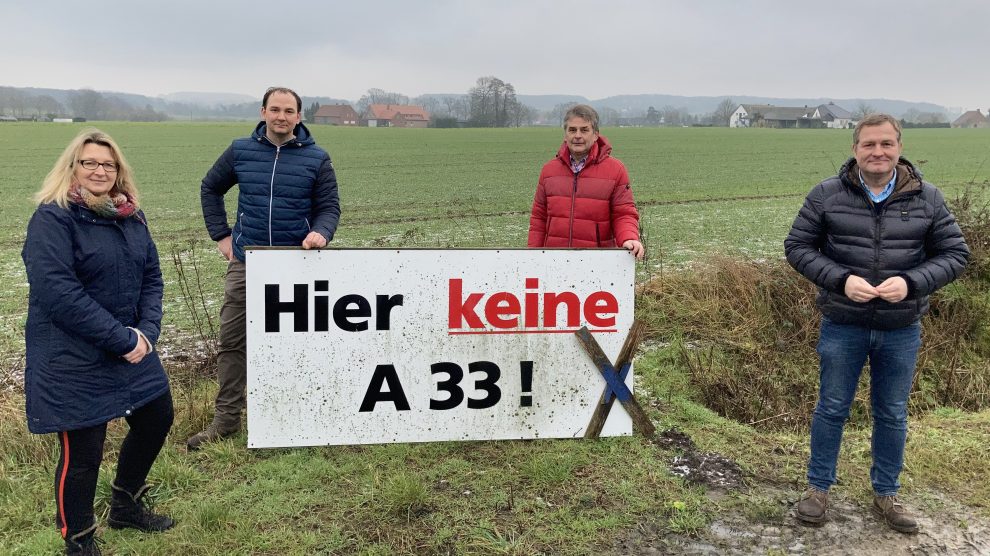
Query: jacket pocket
{"points": [[69, 352]]}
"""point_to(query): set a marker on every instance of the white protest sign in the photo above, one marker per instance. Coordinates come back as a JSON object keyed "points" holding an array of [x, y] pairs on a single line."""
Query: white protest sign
{"points": [[359, 346]]}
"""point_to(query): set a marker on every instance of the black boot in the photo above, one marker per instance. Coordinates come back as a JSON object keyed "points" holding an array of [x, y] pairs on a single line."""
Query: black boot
{"points": [[82, 543], [128, 510]]}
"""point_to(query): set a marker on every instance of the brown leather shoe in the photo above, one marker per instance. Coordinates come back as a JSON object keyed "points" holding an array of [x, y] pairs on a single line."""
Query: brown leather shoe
{"points": [[894, 514], [213, 432], [812, 509]]}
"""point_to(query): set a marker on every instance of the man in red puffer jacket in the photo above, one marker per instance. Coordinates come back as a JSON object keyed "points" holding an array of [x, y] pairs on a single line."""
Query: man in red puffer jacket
{"points": [[583, 198]]}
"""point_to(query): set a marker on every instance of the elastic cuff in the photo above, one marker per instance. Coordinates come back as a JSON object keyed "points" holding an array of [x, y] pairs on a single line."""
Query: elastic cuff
{"points": [[910, 286], [151, 346], [842, 284]]}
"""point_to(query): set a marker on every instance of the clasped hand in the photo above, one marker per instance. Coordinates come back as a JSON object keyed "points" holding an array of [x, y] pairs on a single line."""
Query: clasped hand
{"points": [[891, 290]]}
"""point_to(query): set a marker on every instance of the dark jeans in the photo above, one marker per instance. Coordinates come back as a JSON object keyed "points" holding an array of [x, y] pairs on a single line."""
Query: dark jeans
{"points": [[81, 452], [843, 349], [232, 358]]}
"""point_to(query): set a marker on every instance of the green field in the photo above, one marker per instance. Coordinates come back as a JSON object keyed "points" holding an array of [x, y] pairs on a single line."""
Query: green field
{"points": [[701, 191]]}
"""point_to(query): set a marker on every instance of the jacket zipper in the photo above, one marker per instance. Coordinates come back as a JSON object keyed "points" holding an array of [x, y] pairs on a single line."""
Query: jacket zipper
{"points": [[271, 193], [240, 220], [570, 223]]}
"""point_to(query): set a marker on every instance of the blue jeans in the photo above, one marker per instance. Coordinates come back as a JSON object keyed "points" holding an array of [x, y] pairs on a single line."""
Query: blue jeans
{"points": [[843, 349]]}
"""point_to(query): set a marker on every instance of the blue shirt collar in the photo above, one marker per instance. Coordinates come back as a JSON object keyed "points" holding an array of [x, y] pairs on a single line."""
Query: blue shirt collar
{"points": [[882, 196]]}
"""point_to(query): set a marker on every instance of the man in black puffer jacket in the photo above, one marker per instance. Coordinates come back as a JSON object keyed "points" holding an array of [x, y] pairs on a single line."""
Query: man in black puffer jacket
{"points": [[877, 240]]}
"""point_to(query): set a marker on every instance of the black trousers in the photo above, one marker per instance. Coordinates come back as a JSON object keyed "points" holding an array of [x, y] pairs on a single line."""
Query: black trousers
{"points": [[81, 452]]}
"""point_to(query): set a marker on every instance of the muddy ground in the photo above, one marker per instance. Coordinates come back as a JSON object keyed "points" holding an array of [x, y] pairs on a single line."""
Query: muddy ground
{"points": [[950, 529]]}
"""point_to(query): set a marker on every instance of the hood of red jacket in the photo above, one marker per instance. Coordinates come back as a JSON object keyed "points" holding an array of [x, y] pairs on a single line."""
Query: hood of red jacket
{"points": [[601, 150]]}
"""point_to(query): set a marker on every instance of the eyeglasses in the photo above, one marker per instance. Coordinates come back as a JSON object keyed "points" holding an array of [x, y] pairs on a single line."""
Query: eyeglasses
{"points": [[108, 167]]}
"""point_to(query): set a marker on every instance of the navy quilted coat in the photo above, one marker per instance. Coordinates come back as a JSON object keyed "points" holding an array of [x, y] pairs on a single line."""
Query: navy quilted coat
{"points": [[839, 231], [90, 279], [284, 192]]}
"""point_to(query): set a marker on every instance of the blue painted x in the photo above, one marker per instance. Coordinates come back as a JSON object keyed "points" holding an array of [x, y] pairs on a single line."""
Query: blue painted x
{"points": [[616, 383]]}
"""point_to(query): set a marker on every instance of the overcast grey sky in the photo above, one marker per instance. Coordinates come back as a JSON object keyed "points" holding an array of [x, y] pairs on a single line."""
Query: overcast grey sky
{"points": [[909, 49]]}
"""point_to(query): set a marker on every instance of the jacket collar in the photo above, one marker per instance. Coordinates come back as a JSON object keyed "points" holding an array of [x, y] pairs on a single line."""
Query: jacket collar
{"points": [[601, 150], [302, 135], [909, 178]]}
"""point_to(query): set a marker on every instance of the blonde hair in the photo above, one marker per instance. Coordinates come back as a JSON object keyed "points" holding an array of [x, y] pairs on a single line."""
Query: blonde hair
{"points": [[55, 187]]}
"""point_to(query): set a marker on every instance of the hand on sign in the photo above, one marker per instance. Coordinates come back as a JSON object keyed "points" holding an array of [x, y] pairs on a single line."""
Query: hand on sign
{"points": [[314, 240], [635, 247]]}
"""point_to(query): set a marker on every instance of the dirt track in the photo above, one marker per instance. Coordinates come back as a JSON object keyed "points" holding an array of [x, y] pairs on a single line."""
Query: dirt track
{"points": [[851, 530]]}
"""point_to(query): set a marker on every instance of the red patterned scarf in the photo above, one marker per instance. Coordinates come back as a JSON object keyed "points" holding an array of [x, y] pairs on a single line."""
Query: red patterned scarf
{"points": [[115, 205]]}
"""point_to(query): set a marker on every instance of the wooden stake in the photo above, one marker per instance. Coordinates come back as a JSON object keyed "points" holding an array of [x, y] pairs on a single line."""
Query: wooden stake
{"points": [[603, 365]]}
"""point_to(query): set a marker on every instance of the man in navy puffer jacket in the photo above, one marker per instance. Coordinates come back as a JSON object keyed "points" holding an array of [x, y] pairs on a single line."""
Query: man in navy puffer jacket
{"points": [[287, 197], [877, 240]]}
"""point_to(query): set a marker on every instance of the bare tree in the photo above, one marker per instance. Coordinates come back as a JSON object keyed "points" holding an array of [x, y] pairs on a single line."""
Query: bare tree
{"points": [[379, 96], [429, 103], [556, 114], [911, 115], [863, 109], [47, 106], [87, 103], [723, 112], [932, 118], [12, 101], [608, 116], [493, 103], [676, 116]]}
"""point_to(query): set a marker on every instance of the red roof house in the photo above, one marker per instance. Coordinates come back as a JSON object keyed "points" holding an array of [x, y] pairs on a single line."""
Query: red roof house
{"points": [[395, 115]]}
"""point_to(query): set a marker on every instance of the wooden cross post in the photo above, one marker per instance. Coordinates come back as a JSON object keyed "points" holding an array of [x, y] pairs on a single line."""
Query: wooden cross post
{"points": [[615, 387]]}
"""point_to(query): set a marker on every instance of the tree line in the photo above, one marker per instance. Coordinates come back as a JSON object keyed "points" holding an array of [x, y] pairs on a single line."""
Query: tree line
{"points": [[84, 103], [491, 102]]}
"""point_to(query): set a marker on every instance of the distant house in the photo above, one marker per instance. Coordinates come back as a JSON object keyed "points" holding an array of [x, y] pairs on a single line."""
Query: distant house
{"points": [[748, 115], [833, 116], [973, 118], [336, 114], [395, 115], [767, 115]]}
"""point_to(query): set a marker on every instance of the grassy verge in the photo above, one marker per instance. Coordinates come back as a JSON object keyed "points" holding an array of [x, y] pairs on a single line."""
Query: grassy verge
{"points": [[509, 497]]}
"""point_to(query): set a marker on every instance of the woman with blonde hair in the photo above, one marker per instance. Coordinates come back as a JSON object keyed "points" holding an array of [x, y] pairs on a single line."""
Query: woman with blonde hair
{"points": [[94, 315]]}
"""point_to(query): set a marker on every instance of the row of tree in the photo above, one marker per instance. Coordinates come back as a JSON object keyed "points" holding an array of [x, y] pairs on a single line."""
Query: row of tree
{"points": [[81, 104], [14, 102], [96, 106], [491, 102]]}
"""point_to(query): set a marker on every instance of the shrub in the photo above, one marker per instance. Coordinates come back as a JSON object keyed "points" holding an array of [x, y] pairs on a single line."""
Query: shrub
{"points": [[749, 331]]}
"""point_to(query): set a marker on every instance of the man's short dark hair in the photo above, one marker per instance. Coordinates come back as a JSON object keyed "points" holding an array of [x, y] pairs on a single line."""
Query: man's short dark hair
{"points": [[874, 120], [584, 112], [284, 90]]}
